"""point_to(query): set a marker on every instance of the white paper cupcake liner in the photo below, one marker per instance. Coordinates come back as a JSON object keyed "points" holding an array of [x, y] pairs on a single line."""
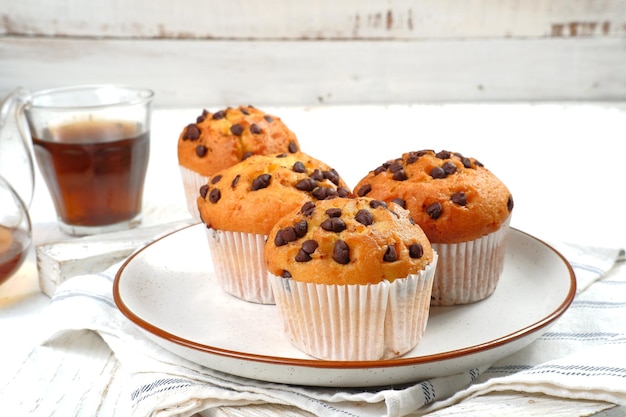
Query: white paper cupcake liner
{"points": [[469, 271], [355, 322], [239, 265], [192, 181]]}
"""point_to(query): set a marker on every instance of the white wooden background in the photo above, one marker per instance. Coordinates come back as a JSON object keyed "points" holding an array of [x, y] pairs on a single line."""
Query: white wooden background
{"points": [[282, 52]]}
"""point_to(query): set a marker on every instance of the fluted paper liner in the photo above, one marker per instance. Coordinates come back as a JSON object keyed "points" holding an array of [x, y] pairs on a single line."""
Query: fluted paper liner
{"points": [[192, 181], [469, 271], [239, 265], [355, 322]]}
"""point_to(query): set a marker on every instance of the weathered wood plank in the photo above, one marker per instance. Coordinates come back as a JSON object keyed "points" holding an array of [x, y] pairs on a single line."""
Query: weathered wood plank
{"points": [[322, 19], [59, 261], [199, 73]]}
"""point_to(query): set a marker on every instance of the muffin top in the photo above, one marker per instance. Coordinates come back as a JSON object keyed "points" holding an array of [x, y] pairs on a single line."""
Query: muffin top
{"points": [[347, 241], [252, 195], [452, 197], [221, 139]]}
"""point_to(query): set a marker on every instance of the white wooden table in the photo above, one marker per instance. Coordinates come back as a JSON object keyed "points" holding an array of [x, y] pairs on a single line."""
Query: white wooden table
{"points": [[562, 161]]}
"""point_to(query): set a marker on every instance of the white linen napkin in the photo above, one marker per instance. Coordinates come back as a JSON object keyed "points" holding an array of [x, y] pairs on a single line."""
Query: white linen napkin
{"points": [[163, 384]]}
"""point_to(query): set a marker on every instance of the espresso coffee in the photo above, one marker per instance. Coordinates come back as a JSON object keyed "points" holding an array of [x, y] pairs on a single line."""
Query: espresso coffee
{"points": [[94, 170]]}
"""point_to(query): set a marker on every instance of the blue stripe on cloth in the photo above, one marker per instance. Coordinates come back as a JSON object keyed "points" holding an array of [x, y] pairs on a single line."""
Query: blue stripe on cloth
{"points": [[429, 391], [322, 404], [597, 304], [76, 293], [587, 336], [507, 369], [158, 386], [586, 267], [579, 370]]}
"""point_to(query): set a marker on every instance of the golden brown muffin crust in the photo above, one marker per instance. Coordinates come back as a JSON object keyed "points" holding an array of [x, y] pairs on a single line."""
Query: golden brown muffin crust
{"points": [[452, 197], [226, 137], [253, 194], [347, 241]]}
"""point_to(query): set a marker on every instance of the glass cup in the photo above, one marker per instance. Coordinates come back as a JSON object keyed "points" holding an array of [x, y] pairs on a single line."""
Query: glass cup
{"points": [[92, 145]]}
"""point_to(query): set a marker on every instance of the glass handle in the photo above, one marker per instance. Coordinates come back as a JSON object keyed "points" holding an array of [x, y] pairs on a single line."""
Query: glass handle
{"points": [[16, 161]]}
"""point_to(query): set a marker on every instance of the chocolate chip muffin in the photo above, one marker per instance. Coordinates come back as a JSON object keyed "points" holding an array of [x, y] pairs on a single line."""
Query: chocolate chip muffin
{"points": [[239, 206], [463, 208], [352, 278], [221, 139]]}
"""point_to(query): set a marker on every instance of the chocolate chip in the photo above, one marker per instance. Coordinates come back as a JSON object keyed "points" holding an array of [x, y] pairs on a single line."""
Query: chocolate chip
{"points": [[309, 246], [341, 252], [268, 118], [255, 128], [286, 274], [390, 255], [201, 150], [215, 195], [343, 192], [302, 256], [412, 157], [459, 198], [377, 203], [236, 129], [299, 167], [434, 210], [278, 240], [399, 202], [216, 179], [449, 168], [260, 182], [244, 111], [509, 203], [219, 115], [364, 217], [202, 117], [467, 163], [443, 155], [333, 224], [288, 234], [281, 155], [395, 166], [192, 132], [478, 163], [364, 190], [246, 155], [307, 185], [301, 228], [293, 147], [307, 208], [380, 169], [204, 190], [235, 180], [334, 212], [332, 176], [323, 193], [400, 175], [317, 175], [416, 251], [437, 173]]}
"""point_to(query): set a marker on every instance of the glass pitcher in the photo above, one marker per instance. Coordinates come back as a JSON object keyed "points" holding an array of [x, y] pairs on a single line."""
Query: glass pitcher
{"points": [[16, 162]]}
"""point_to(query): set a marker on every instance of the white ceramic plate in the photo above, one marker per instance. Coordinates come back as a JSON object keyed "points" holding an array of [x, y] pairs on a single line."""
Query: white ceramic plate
{"points": [[169, 291]]}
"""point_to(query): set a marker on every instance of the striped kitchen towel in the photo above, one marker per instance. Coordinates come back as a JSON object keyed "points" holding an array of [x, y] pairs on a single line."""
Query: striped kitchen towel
{"points": [[581, 357]]}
